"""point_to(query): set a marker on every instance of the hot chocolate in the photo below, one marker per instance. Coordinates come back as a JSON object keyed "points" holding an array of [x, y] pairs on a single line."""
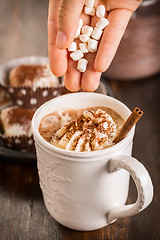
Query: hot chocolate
{"points": [[92, 186], [81, 130]]}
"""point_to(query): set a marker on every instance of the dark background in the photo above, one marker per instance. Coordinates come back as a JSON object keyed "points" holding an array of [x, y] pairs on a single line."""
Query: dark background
{"points": [[23, 28]]}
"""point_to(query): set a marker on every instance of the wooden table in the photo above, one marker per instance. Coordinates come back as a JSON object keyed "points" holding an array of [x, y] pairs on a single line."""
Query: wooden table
{"points": [[22, 211]]}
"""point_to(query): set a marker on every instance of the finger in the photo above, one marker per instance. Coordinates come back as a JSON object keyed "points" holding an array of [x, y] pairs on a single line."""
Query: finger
{"points": [[57, 57], [72, 77], [118, 20], [90, 78], [130, 5], [68, 20]]}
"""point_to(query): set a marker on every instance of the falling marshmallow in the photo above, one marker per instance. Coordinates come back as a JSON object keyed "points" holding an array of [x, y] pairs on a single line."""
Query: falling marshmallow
{"points": [[100, 11], [72, 47], [92, 45], [89, 3], [76, 55], [84, 38], [89, 11], [97, 33], [102, 23], [83, 47], [87, 30], [82, 64]]}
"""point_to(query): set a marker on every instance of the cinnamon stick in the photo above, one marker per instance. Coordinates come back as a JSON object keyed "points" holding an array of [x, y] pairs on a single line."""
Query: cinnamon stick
{"points": [[132, 119]]}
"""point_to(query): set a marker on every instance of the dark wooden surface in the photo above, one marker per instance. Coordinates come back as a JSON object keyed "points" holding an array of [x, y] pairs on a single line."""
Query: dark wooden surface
{"points": [[22, 211]]}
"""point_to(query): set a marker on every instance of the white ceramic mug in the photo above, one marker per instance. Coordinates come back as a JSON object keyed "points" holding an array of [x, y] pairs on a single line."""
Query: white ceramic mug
{"points": [[88, 190]]}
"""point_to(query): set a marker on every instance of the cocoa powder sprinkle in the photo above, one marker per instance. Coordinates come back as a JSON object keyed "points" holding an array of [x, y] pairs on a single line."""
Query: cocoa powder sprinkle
{"points": [[28, 72], [20, 115]]}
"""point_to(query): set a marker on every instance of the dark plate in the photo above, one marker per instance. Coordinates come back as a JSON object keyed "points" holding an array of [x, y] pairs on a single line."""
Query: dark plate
{"points": [[14, 156]]}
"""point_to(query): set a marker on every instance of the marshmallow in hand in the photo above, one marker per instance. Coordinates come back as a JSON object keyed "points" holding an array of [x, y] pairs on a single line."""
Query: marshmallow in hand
{"points": [[83, 47], [78, 33], [89, 3], [82, 65], [97, 33], [76, 55], [72, 47], [89, 11], [92, 45], [83, 38], [80, 25], [87, 30], [102, 23], [100, 11], [88, 35]]}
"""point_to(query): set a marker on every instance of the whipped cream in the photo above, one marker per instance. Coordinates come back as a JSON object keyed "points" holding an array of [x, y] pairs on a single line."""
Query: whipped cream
{"points": [[91, 131]]}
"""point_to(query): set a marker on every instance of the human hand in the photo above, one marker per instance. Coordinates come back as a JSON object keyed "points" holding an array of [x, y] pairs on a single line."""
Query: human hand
{"points": [[63, 20]]}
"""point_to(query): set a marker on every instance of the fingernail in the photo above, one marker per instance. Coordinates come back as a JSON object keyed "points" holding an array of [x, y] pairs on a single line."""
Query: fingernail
{"points": [[61, 39]]}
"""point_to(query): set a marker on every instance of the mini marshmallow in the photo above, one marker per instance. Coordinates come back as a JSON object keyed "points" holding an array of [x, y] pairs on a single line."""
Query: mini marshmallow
{"points": [[82, 65], [89, 11], [78, 33], [102, 23], [92, 45], [87, 30], [97, 33], [80, 23], [72, 47], [83, 47], [89, 3], [100, 11], [76, 55], [83, 38]]}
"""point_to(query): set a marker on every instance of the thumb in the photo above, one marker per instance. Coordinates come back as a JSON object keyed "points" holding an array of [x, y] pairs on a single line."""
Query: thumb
{"points": [[68, 20]]}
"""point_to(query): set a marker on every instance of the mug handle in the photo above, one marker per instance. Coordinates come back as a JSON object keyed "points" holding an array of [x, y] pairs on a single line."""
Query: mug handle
{"points": [[143, 184]]}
